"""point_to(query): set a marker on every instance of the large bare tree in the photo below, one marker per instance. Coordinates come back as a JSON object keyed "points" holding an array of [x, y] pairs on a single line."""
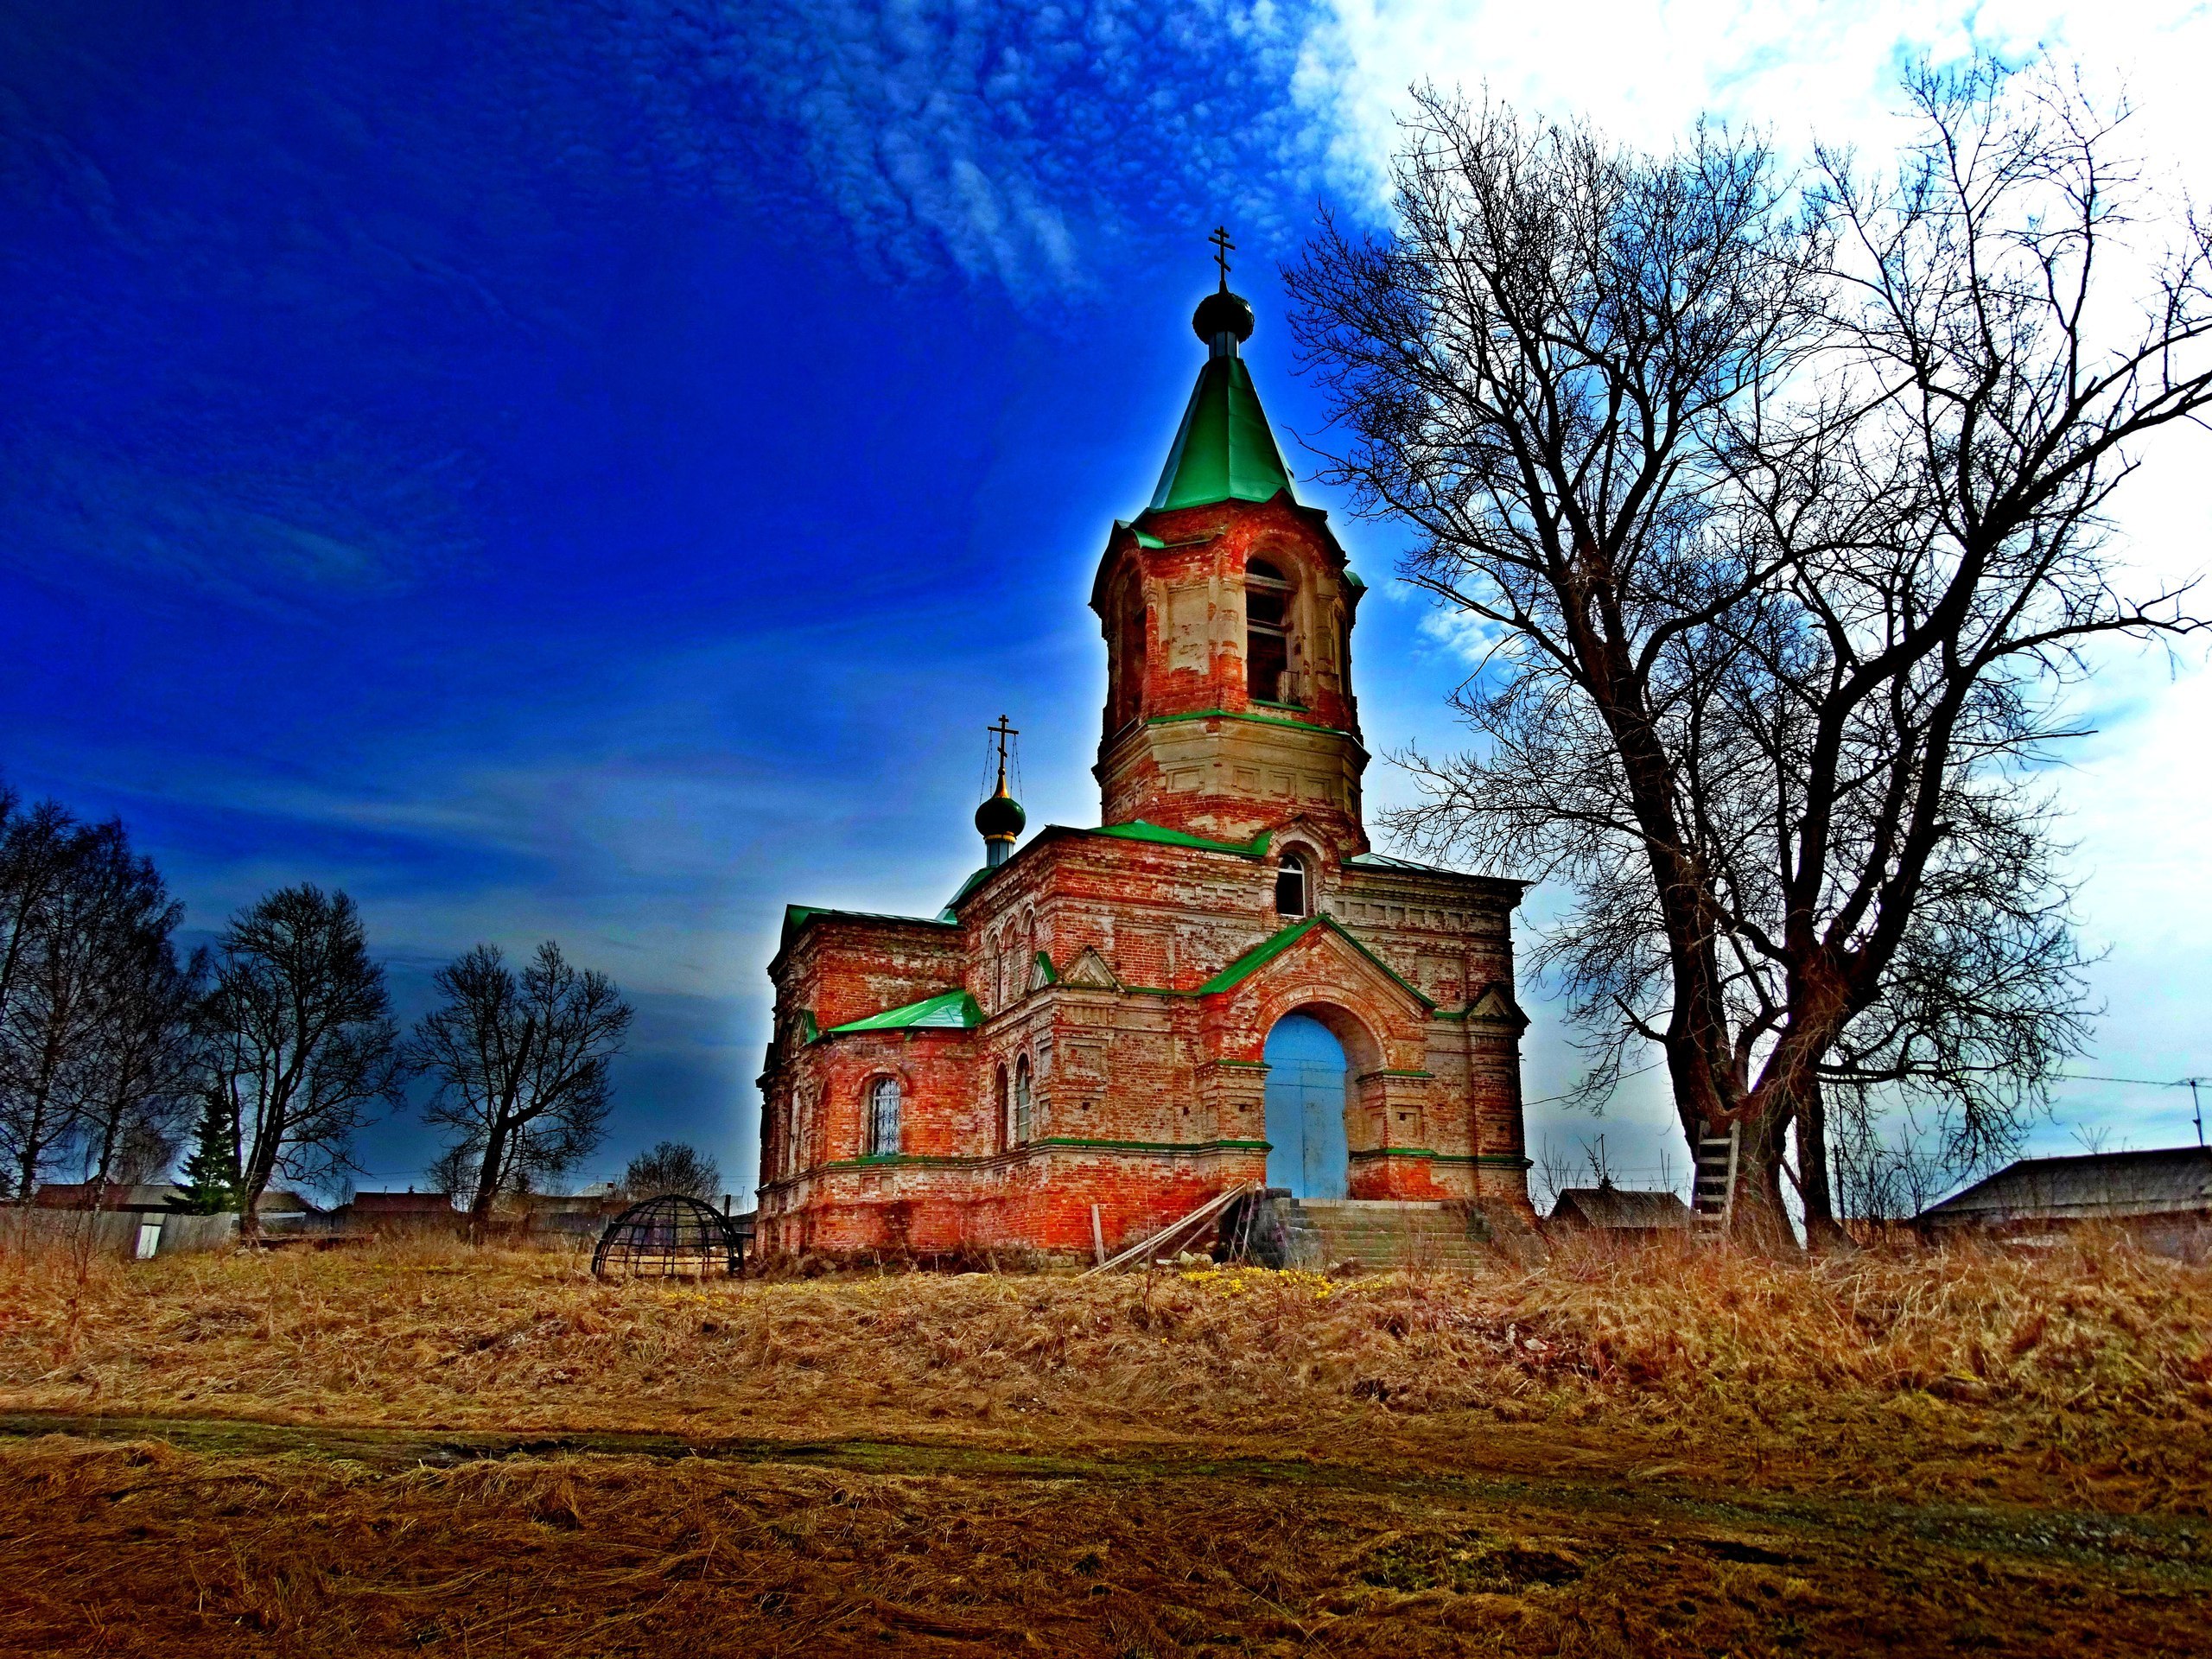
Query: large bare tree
{"points": [[298, 1045], [1780, 512], [94, 1045], [523, 1064]]}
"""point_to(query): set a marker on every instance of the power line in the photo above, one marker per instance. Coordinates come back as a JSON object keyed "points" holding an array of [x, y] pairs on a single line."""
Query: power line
{"points": [[2141, 1083], [1548, 1099]]}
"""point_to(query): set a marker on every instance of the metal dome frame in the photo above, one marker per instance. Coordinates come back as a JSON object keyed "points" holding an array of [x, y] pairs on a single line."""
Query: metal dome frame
{"points": [[669, 1236]]}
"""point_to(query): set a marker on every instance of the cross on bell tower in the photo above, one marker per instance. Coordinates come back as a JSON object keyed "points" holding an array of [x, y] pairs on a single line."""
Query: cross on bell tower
{"points": [[1223, 247]]}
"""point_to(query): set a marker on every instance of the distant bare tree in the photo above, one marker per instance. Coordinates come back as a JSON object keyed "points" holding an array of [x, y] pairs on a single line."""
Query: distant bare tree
{"points": [[671, 1166], [136, 1083], [1783, 531], [523, 1066], [44, 983], [93, 1006], [298, 1045]]}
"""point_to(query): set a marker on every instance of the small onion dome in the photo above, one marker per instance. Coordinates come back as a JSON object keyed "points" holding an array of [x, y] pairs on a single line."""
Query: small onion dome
{"points": [[1000, 817], [1222, 313]]}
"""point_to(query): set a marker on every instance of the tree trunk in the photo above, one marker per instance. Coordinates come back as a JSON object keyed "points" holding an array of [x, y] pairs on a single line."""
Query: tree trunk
{"points": [[1759, 1219], [1822, 1231], [253, 1182], [488, 1174]]}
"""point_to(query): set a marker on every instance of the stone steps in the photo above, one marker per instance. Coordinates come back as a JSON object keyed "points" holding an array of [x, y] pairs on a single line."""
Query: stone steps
{"points": [[1319, 1235]]}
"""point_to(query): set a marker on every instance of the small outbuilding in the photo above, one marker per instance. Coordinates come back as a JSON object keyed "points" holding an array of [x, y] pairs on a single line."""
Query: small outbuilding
{"points": [[1620, 1213], [2163, 1197]]}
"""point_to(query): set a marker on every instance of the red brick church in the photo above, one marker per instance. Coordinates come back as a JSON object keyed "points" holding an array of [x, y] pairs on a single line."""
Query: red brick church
{"points": [[1221, 982]]}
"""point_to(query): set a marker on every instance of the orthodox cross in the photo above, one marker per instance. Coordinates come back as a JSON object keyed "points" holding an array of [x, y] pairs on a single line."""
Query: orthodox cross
{"points": [[1003, 731], [1222, 248]]}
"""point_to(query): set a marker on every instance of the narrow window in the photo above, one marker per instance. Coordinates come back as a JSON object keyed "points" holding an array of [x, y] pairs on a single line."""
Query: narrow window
{"points": [[1267, 632], [883, 1117], [1021, 1099], [1290, 885], [1003, 1116], [1128, 683]]}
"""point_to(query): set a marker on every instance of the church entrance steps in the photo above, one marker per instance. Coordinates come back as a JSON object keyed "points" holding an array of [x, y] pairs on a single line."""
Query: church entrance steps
{"points": [[1376, 1234]]}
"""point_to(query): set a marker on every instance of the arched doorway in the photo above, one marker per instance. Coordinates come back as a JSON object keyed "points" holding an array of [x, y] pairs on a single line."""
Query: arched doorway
{"points": [[1306, 1082]]}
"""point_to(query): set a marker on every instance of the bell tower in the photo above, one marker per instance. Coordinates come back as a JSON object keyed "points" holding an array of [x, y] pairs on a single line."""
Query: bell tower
{"points": [[1228, 611]]}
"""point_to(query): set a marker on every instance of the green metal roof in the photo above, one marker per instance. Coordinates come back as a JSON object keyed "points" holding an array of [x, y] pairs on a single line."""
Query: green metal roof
{"points": [[1138, 830], [1267, 949], [946, 1011], [1223, 450]]}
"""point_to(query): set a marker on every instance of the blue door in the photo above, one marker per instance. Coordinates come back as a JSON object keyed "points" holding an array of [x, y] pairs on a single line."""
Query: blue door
{"points": [[1306, 1108]]}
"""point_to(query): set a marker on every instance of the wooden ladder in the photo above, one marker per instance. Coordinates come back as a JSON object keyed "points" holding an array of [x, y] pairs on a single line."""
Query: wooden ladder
{"points": [[1714, 1196]]}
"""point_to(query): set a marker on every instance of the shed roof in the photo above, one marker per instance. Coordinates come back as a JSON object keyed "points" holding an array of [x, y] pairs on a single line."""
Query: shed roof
{"points": [[2104, 1184], [944, 1011], [1613, 1208]]}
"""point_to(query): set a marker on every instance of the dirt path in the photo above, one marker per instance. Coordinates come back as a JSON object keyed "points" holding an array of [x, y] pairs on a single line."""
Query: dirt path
{"points": [[339, 1535]]}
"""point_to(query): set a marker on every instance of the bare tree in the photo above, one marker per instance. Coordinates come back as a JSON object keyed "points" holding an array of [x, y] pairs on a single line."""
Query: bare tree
{"points": [[90, 1034], [298, 1044], [135, 1082], [523, 1064], [1782, 529], [671, 1166]]}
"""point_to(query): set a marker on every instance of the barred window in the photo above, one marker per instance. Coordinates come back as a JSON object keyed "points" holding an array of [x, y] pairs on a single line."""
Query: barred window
{"points": [[1021, 1101], [883, 1116]]}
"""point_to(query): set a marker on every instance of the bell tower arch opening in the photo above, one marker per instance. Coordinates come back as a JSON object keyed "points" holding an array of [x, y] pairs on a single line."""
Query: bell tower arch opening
{"points": [[1268, 597]]}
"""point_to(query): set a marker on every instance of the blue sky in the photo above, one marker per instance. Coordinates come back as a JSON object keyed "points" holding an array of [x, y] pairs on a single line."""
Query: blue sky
{"points": [[594, 474]]}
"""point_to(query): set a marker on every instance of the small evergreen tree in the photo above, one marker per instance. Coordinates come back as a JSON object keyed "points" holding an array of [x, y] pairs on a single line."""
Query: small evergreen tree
{"points": [[211, 1174]]}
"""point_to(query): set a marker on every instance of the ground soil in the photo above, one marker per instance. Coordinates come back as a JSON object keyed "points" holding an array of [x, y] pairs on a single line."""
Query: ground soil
{"points": [[490, 1454]]}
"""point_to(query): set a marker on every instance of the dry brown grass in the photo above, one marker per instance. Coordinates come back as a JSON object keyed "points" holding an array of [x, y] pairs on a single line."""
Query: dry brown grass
{"points": [[2082, 1376], [427, 1449]]}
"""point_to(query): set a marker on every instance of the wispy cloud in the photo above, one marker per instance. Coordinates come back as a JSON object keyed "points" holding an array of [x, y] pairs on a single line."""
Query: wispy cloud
{"points": [[1021, 145]]}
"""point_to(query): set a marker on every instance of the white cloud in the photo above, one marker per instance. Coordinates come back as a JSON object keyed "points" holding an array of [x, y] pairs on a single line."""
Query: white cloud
{"points": [[1647, 71]]}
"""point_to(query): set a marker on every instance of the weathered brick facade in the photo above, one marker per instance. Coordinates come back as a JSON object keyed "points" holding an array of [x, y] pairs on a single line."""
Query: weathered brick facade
{"points": [[1129, 975]]}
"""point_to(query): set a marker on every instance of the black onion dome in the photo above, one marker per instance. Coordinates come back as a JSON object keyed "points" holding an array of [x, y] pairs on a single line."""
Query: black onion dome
{"points": [[999, 816], [1222, 313]]}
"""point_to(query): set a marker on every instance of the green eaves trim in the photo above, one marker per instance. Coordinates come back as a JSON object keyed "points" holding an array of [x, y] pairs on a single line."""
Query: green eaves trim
{"points": [[1051, 973], [798, 916], [1265, 952], [1077, 1144], [945, 1011], [1257, 720], [1138, 830]]}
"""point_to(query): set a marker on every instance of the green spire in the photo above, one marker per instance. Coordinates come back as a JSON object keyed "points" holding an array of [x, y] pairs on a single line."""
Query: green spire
{"points": [[1224, 450]]}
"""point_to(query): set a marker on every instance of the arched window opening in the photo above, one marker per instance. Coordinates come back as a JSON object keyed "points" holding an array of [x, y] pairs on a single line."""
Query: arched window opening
{"points": [[1028, 977], [1267, 632], [1021, 1101], [1129, 678], [883, 1117], [1291, 896], [1003, 1116]]}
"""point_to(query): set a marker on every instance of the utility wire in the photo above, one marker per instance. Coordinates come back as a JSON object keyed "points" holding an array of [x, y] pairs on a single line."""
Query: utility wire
{"points": [[1548, 1099]]}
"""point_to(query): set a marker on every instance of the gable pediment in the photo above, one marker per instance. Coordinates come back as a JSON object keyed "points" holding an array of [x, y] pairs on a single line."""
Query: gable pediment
{"points": [[1296, 942], [1090, 972], [1495, 1003]]}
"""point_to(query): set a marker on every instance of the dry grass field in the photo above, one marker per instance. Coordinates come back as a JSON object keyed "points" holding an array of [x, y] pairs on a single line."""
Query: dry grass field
{"points": [[436, 1450]]}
